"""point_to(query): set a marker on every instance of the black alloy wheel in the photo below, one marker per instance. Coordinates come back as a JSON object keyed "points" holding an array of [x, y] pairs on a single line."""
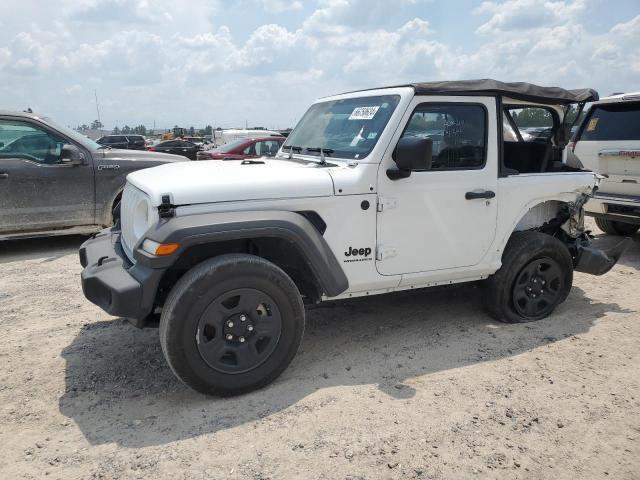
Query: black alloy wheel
{"points": [[239, 330], [538, 288]]}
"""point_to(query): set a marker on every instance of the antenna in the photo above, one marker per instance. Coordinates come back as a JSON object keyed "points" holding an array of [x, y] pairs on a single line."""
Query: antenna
{"points": [[95, 93]]}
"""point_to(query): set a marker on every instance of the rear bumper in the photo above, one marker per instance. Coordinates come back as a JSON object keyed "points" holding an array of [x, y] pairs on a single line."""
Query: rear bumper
{"points": [[598, 262], [112, 283], [617, 207]]}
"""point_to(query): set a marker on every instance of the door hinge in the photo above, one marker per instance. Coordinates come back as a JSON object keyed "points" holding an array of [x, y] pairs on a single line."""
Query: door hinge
{"points": [[383, 252], [386, 203]]}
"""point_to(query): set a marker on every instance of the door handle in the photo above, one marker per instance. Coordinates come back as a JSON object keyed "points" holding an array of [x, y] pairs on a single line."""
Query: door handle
{"points": [[483, 194], [3, 175]]}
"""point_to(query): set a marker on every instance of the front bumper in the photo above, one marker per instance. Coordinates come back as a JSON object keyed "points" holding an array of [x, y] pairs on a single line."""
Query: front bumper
{"points": [[111, 282]]}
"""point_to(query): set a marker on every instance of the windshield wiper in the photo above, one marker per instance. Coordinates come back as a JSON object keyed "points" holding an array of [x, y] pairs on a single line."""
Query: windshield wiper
{"points": [[322, 151], [292, 149]]}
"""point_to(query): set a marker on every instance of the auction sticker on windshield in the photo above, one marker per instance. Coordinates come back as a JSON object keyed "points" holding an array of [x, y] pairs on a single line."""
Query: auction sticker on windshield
{"points": [[363, 113]]}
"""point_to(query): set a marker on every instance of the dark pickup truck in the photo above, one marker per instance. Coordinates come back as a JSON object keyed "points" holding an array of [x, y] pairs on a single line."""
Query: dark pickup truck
{"points": [[55, 181]]}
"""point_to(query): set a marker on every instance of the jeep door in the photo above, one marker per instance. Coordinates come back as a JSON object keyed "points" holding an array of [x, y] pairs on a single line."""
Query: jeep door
{"points": [[443, 217], [37, 190]]}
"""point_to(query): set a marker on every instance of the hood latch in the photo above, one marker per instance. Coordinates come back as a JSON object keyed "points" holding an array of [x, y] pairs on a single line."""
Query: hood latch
{"points": [[166, 209]]}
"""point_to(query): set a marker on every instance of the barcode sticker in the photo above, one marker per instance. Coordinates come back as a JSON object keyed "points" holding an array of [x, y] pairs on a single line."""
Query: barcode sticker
{"points": [[363, 113]]}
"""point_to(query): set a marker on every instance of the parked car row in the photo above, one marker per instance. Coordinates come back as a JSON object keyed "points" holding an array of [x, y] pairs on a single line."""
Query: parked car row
{"points": [[128, 142]]}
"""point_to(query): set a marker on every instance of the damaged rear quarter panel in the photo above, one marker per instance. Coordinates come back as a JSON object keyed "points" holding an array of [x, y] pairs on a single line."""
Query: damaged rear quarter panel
{"points": [[521, 194]]}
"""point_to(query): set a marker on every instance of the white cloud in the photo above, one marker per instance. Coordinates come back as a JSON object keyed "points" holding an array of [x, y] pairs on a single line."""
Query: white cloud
{"points": [[629, 29], [172, 65], [522, 15]]}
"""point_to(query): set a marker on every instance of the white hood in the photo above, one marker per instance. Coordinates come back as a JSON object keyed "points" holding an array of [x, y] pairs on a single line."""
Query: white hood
{"points": [[226, 180]]}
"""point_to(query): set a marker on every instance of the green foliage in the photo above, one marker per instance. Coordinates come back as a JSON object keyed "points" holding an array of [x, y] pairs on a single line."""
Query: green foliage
{"points": [[532, 117]]}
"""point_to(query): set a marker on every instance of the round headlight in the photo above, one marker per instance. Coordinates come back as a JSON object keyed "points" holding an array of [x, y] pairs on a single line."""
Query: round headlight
{"points": [[141, 218]]}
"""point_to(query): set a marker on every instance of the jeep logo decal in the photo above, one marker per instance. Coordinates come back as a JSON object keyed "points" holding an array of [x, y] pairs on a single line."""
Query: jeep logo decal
{"points": [[358, 251], [362, 253]]}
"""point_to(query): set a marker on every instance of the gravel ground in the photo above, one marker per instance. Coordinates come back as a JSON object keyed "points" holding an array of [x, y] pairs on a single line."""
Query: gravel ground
{"points": [[413, 385]]}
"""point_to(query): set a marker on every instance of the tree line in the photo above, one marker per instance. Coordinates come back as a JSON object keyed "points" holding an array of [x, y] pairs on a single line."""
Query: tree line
{"points": [[142, 130]]}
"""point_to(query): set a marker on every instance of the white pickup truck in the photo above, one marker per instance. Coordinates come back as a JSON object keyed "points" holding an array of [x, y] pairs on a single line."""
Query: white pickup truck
{"points": [[373, 192]]}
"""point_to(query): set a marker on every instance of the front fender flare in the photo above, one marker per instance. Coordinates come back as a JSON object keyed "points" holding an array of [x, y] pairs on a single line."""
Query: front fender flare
{"points": [[191, 230]]}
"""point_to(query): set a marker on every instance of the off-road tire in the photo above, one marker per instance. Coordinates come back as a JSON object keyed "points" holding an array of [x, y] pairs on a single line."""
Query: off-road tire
{"points": [[616, 228], [525, 250], [200, 288]]}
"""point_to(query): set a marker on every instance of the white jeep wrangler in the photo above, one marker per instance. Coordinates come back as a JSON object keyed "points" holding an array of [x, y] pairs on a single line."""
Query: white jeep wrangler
{"points": [[373, 192]]}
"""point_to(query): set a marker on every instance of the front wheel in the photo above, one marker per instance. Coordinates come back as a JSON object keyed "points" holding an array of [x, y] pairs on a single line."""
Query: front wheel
{"points": [[232, 324], [535, 277]]}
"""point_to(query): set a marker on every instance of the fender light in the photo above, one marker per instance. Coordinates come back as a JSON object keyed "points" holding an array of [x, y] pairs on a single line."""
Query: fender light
{"points": [[159, 249]]}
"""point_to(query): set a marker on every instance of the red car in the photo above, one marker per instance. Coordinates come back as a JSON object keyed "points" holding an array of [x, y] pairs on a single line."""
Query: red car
{"points": [[244, 148]]}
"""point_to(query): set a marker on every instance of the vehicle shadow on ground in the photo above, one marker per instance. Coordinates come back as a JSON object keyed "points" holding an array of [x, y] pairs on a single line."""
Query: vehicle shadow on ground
{"points": [[39, 248], [119, 388]]}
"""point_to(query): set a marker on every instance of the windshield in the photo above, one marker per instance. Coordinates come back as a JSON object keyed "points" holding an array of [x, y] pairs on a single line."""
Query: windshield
{"points": [[347, 128], [87, 142], [227, 147]]}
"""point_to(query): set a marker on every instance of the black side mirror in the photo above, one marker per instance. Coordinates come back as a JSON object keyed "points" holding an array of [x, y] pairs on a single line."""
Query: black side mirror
{"points": [[71, 155], [411, 153]]}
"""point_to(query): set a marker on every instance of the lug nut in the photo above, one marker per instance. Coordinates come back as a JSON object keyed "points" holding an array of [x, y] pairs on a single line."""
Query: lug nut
{"points": [[543, 282], [230, 324], [250, 328], [243, 318], [241, 339], [229, 336]]}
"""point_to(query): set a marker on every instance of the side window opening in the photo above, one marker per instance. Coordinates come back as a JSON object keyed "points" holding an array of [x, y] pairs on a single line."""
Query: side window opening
{"points": [[22, 140], [458, 133], [535, 124], [529, 140]]}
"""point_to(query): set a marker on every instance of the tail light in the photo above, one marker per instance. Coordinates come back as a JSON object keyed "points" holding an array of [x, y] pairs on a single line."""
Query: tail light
{"points": [[151, 149]]}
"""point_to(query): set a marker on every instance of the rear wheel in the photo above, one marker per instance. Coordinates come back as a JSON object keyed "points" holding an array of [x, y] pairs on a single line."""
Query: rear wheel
{"points": [[535, 277], [231, 324], [616, 228]]}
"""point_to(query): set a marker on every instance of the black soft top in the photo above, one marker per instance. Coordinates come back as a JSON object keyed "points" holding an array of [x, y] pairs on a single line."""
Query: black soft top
{"points": [[517, 90]]}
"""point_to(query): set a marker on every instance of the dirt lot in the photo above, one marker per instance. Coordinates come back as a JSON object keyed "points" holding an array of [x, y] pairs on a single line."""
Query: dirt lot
{"points": [[413, 385]]}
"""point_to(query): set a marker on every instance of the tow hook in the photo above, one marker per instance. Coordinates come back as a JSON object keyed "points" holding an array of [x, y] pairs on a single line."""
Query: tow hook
{"points": [[598, 262]]}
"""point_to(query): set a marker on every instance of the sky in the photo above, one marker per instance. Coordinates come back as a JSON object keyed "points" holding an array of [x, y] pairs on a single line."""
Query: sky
{"points": [[262, 62]]}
